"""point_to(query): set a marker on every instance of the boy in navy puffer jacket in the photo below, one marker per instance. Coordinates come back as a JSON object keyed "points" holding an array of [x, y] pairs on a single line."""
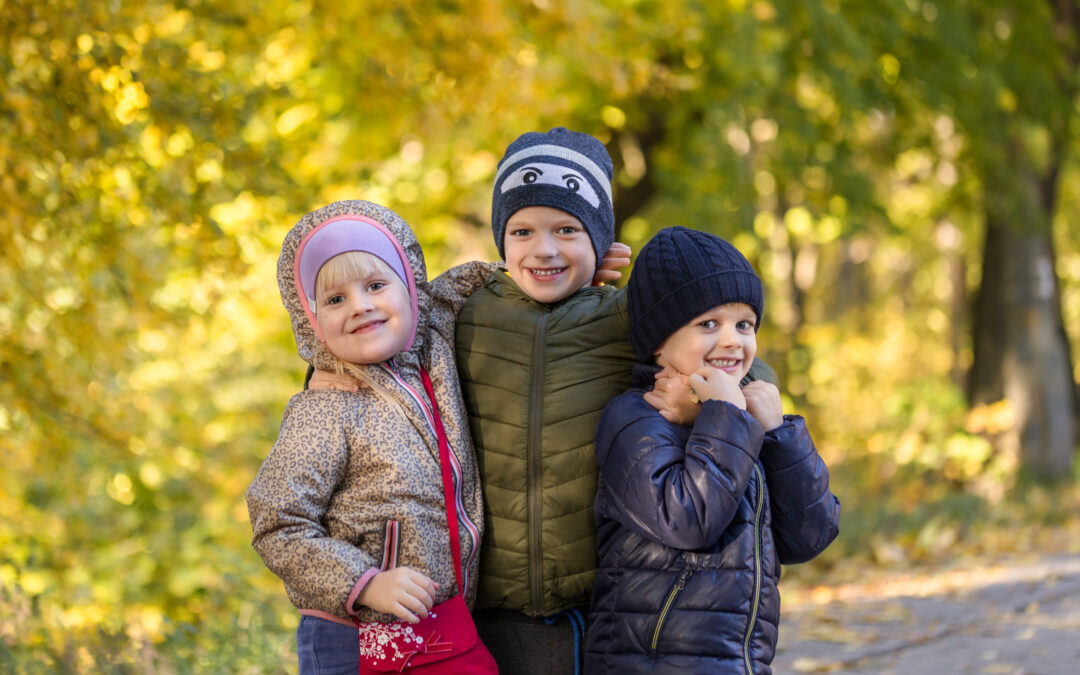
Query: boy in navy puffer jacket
{"points": [[702, 494]]}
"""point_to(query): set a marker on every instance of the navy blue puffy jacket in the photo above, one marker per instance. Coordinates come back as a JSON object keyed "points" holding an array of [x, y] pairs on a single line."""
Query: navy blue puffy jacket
{"points": [[693, 525]]}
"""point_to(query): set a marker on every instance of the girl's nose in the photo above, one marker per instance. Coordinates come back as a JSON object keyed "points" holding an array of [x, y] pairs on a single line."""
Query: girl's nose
{"points": [[361, 303]]}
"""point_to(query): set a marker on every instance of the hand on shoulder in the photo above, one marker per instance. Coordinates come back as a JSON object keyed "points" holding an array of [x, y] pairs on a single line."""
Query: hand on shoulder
{"points": [[326, 379]]}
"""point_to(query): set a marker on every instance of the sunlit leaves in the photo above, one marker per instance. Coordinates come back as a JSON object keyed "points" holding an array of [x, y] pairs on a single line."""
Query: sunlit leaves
{"points": [[152, 156]]}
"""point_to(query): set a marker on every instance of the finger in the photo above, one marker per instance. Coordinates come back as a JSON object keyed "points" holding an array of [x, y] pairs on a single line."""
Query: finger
{"points": [[606, 274], [619, 248], [422, 587], [665, 372], [610, 263], [430, 587], [419, 604], [655, 401], [405, 615]]}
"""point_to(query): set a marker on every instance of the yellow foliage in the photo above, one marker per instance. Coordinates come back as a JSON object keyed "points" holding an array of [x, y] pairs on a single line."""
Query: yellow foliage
{"points": [[991, 418]]}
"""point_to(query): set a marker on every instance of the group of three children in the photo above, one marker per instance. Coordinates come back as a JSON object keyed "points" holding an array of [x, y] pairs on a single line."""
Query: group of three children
{"points": [[632, 469]]}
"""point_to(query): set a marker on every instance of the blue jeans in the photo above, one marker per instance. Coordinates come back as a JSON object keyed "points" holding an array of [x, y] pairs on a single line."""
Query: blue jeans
{"points": [[326, 647]]}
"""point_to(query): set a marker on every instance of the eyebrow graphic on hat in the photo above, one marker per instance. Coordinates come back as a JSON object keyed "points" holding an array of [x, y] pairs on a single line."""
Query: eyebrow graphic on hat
{"points": [[539, 173], [558, 151]]}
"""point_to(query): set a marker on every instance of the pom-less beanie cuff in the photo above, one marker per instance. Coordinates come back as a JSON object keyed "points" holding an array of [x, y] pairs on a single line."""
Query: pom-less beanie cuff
{"points": [[680, 274]]}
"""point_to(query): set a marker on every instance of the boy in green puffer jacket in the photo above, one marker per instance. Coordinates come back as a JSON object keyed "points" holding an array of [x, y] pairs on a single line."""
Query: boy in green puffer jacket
{"points": [[540, 351]]}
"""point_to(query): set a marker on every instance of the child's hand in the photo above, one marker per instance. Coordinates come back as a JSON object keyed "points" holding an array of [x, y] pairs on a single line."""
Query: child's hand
{"points": [[672, 398], [327, 379], [608, 270], [715, 385], [402, 591], [763, 402]]}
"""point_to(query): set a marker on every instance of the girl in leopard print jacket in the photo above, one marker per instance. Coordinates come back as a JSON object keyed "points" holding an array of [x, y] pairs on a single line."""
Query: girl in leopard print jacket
{"points": [[348, 507]]}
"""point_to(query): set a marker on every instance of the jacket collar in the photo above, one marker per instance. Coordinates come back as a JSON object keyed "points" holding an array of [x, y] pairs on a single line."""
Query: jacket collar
{"points": [[643, 375]]}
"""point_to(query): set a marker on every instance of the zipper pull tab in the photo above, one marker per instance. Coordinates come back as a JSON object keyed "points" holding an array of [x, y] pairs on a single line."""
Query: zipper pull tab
{"points": [[680, 583]]}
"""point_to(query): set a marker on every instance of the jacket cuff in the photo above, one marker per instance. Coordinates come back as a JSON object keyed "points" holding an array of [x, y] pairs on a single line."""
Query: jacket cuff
{"points": [[786, 445], [350, 603]]}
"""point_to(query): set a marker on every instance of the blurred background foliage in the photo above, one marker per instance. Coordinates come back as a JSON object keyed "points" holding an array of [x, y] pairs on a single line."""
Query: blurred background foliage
{"points": [[152, 156]]}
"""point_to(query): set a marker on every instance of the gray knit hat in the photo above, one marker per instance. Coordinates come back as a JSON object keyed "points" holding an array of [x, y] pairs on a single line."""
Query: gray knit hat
{"points": [[563, 169], [682, 273]]}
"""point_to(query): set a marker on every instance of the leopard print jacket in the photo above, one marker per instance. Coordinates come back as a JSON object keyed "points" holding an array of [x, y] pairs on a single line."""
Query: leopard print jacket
{"points": [[347, 463]]}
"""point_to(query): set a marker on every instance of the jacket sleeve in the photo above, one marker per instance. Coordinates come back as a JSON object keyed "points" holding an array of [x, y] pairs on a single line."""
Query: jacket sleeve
{"points": [[681, 494], [453, 287], [805, 513], [287, 501]]}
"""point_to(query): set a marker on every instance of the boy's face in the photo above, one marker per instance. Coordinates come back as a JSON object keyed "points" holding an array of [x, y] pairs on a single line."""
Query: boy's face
{"points": [[366, 320], [548, 253], [722, 338]]}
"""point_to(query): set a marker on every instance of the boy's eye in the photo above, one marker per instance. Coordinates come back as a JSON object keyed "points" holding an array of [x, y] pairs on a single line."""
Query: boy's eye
{"points": [[569, 229], [521, 232], [708, 324], [745, 325]]}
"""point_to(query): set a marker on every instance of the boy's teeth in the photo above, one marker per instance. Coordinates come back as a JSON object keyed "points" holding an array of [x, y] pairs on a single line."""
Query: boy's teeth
{"points": [[722, 363], [545, 273]]}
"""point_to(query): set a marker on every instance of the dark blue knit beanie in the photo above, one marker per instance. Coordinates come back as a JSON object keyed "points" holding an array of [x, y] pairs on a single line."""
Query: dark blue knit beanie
{"points": [[563, 169], [682, 273]]}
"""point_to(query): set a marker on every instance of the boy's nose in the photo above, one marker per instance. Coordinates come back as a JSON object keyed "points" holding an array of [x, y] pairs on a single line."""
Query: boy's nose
{"points": [[727, 336], [545, 247]]}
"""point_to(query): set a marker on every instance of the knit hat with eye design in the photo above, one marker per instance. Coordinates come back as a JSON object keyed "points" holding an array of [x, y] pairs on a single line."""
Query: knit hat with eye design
{"points": [[562, 169]]}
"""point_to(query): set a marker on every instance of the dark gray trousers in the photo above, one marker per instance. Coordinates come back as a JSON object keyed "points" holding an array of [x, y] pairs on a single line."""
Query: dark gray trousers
{"points": [[523, 645]]}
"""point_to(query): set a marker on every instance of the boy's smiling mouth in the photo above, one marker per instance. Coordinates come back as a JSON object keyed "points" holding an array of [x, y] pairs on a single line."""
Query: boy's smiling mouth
{"points": [[546, 273], [724, 364]]}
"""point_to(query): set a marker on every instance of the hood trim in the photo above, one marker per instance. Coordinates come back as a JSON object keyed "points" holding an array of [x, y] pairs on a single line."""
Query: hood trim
{"points": [[410, 277]]}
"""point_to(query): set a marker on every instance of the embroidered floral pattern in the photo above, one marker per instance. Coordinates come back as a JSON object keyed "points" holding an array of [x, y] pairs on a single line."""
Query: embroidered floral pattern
{"points": [[382, 641]]}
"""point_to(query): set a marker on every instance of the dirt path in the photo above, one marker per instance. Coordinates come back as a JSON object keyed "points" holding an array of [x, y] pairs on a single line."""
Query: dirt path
{"points": [[1014, 617]]}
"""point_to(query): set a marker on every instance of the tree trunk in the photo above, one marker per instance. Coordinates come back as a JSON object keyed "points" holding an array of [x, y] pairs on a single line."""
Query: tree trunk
{"points": [[1020, 353]]}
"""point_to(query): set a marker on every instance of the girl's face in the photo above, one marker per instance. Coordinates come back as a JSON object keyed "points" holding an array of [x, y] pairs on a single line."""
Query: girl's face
{"points": [[365, 320], [722, 338]]}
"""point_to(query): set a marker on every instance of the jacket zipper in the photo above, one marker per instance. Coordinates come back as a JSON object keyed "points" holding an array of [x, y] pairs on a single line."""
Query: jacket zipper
{"points": [[534, 458], [758, 511], [680, 584]]}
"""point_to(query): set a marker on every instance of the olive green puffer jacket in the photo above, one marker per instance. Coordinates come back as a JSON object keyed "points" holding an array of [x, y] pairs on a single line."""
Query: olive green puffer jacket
{"points": [[535, 379]]}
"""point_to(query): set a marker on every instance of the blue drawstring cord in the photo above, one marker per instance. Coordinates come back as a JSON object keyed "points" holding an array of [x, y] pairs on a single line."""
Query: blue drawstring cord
{"points": [[577, 624]]}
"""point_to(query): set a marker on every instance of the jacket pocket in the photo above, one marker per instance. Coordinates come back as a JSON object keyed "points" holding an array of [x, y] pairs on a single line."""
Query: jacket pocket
{"points": [[665, 609], [391, 543]]}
